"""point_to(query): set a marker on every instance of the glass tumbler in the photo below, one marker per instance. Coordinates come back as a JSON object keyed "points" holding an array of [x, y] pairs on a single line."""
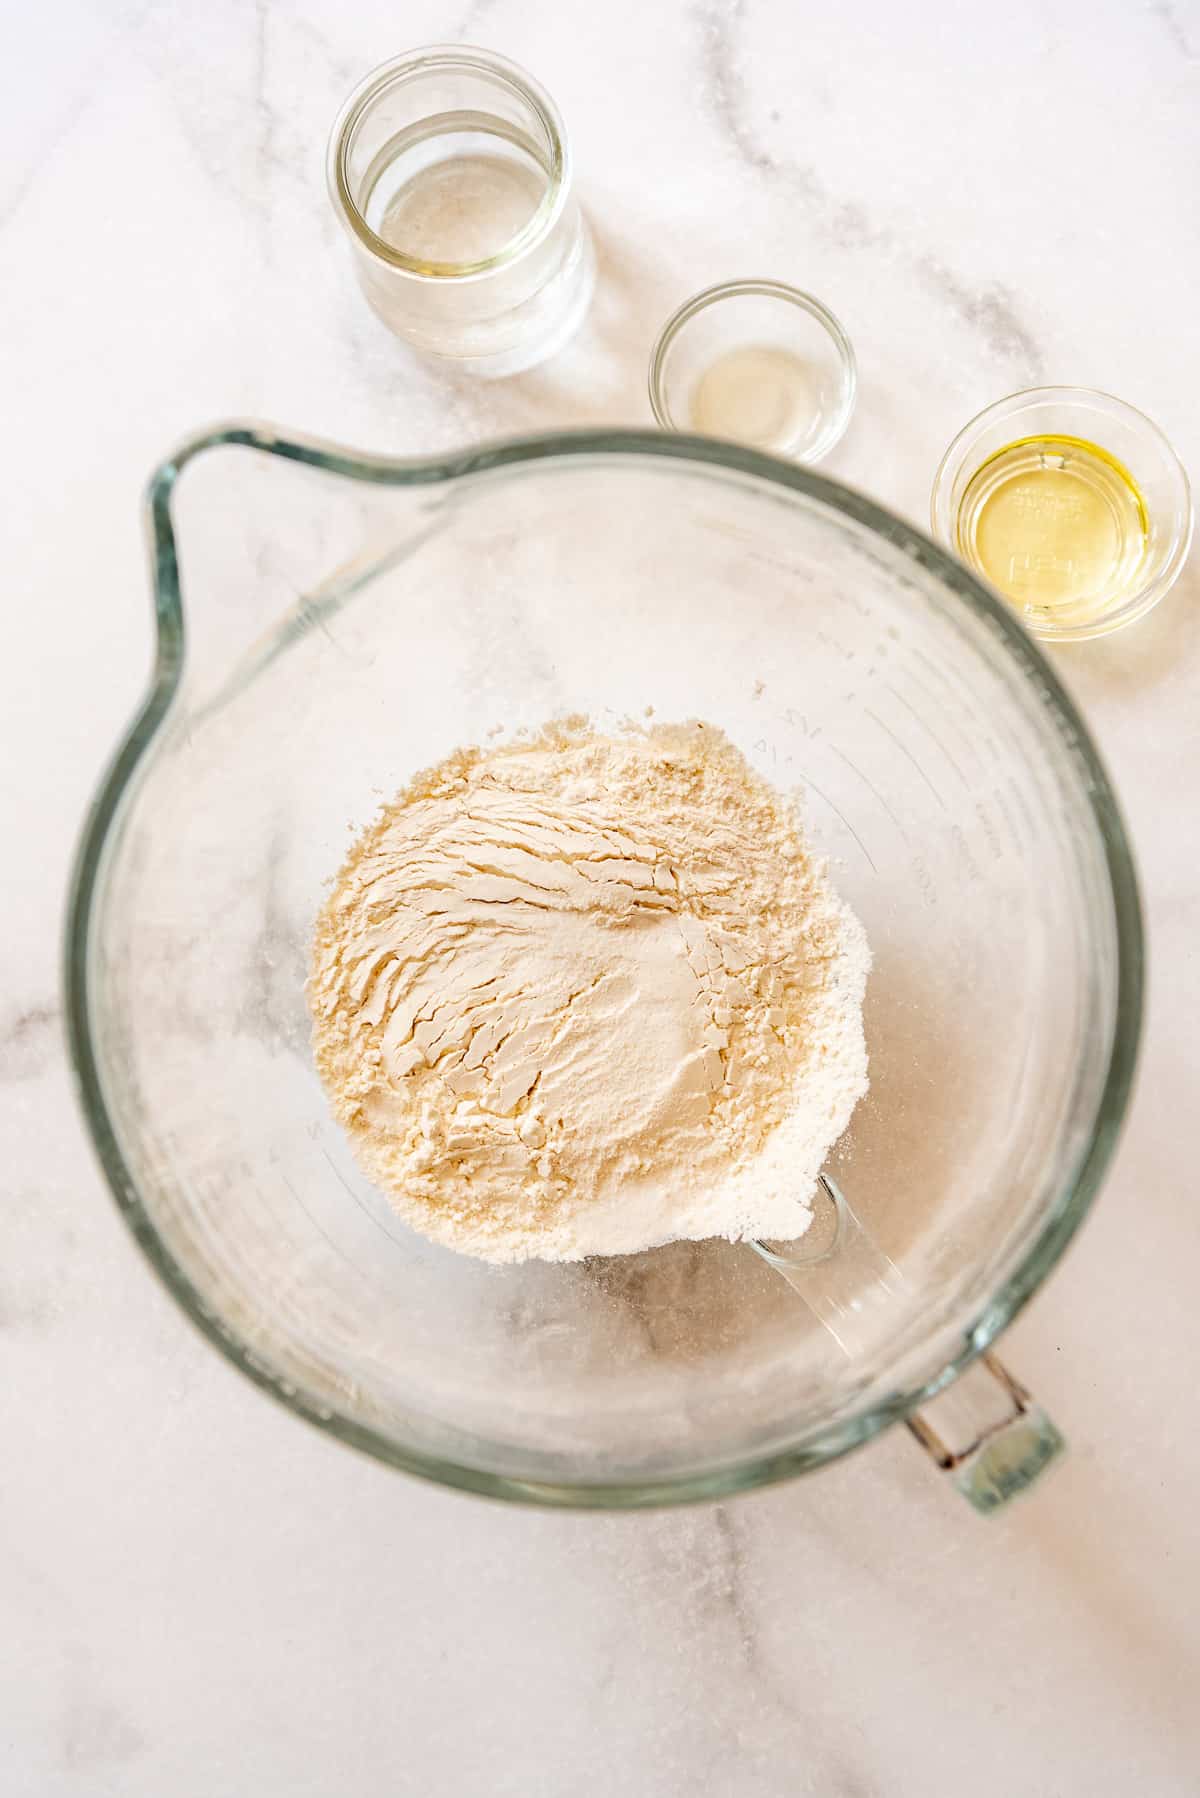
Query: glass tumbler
{"points": [[449, 169]]}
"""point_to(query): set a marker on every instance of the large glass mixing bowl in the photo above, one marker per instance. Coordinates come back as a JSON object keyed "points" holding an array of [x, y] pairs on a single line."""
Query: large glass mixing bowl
{"points": [[350, 620]]}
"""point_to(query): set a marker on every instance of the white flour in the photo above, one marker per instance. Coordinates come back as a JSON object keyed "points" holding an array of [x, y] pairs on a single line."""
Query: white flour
{"points": [[587, 994]]}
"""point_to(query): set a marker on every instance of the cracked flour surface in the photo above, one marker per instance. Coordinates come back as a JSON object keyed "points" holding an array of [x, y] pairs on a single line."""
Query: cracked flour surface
{"points": [[584, 994]]}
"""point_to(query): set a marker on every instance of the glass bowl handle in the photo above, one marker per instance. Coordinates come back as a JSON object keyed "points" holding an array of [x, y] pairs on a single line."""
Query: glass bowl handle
{"points": [[988, 1434], [984, 1430]]}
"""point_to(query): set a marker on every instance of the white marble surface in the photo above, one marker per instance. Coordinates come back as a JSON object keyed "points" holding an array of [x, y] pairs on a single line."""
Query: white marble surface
{"points": [[201, 1596]]}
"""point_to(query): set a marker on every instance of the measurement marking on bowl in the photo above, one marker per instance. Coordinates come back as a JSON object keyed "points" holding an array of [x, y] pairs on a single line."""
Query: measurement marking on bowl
{"points": [[370, 1215], [929, 732], [968, 709], [1047, 796], [321, 1231], [845, 820], [962, 850], [217, 1187], [1022, 805], [965, 727], [799, 721], [988, 827], [873, 789], [906, 751], [1001, 803], [925, 881]]}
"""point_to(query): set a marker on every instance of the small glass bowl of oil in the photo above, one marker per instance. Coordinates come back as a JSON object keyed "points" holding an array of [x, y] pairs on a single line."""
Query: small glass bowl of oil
{"points": [[759, 363], [1072, 504]]}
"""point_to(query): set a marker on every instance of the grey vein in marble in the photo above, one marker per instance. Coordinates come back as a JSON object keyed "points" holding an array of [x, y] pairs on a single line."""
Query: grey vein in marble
{"points": [[31, 1044], [96, 1735], [991, 311], [265, 116], [469, 19], [728, 98], [1176, 30]]}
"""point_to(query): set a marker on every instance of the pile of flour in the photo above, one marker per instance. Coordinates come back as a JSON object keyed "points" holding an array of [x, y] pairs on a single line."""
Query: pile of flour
{"points": [[589, 993]]}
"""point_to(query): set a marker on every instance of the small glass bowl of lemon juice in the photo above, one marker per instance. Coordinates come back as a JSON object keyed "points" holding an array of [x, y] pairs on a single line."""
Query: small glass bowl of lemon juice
{"points": [[755, 362], [1072, 504]]}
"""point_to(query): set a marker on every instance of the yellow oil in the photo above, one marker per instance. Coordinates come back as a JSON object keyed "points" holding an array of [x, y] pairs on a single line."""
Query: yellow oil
{"points": [[1058, 525]]}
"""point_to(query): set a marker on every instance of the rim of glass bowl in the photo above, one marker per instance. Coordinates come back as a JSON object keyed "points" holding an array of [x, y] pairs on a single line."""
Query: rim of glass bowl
{"points": [[449, 56], [835, 420], [1063, 1216], [962, 450]]}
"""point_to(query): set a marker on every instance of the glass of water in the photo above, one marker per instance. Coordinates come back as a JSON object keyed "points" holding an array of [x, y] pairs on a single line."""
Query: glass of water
{"points": [[449, 169]]}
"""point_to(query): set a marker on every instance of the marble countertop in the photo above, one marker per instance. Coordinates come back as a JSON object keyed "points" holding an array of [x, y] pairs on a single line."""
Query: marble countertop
{"points": [[202, 1597]]}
